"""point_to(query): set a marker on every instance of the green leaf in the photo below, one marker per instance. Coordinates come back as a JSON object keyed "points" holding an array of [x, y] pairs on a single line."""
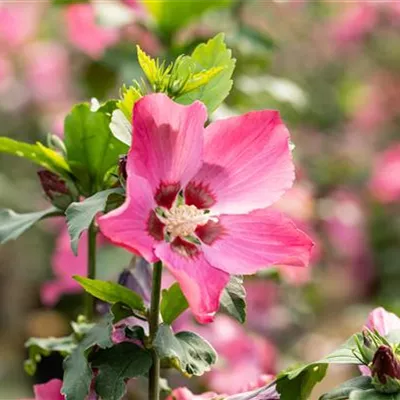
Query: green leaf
{"points": [[185, 351], [299, 383], [91, 147], [343, 391], [13, 224], [81, 214], [77, 371], [115, 365], [213, 54], [112, 293], [233, 299], [372, 394], [173, 303], [38, 347], [347, 353], [39, 154], [170, 18]]}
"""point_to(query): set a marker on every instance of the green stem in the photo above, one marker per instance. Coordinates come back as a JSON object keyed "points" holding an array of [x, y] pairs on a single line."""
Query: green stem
{"points": [[154, 320], [91, 270]]}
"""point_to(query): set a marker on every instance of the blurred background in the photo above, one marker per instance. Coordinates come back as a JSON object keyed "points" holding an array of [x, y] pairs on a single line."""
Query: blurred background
{"points": [[332, 68]]}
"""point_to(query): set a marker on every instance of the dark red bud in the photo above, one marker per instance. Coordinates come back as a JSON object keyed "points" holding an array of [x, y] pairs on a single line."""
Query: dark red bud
{"points": [[52, 184], [385, 363], [122, 166]]}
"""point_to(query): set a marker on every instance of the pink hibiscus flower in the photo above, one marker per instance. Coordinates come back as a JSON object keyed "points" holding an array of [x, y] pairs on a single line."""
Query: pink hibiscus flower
{"points": [[50, 390], [196, 197], [85, 34], [385, 181]]}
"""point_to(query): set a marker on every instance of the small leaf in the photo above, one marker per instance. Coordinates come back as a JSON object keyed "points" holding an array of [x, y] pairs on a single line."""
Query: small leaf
{"points": [[77, 371], [129, 96], [343, 391], [38, 347], [173, 303], [299, 383], [185, 351], [206, 56], [13, 224], [345, 354], [39, 154], [112, 293], [81, 214], [117, 364], [233, 299], [92, 150], [77, 376], [372, 394], [148, 65], [121, 128]]}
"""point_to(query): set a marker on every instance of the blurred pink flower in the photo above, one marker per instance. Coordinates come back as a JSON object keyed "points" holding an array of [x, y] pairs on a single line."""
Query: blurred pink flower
{"points": [[226, 173], [355, 23], [65, 264], [48, 62], [345, 225], [18, 23], [243, 357], [85, 34], [6, 72], [50, 390], [261, 296], [385, 181], [298, 204], [185, 394]]}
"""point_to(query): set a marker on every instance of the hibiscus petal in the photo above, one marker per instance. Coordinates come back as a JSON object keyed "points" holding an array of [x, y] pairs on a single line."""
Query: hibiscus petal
{"points": [[49, 390], [257, 240], [383, 321], [201, 283], [247, 164], [134, 225], [168, 142]]}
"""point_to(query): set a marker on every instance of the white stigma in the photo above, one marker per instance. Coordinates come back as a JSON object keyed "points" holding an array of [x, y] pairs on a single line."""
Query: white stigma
{"points": [[183, 220]]}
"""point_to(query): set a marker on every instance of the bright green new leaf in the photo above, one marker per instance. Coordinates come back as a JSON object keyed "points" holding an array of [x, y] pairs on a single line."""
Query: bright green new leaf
{"points": [[213, 54], [117, 364], [233, 299], [13, 224], [39, 154], [80, 215], [343, 391], [185, 351], [173, 303], [112, 293], [129, 96], [92, 149], [200, 79], [148, 65], [170, 17]]}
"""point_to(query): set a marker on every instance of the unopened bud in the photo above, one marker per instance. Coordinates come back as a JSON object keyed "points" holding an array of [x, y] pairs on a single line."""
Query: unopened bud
{"points": [[122, 167], [55, 188], [386, 370]]}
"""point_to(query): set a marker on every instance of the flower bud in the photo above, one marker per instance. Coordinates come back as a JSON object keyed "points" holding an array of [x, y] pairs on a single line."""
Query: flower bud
{"points": [[122, 167], [386, 370], [55, 188]]}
